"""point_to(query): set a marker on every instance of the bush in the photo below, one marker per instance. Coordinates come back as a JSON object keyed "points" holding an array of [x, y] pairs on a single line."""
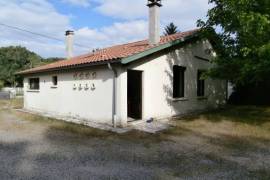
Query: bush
{"points": [[258, 94], [1, 85]]}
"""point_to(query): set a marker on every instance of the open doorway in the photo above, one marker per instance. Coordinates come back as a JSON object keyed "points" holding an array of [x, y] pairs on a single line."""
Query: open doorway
{"points": [[134, 90]]}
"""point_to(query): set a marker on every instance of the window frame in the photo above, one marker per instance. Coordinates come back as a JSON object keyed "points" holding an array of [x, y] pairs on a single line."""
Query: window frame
{"points": [[54, 81], [178, 81], [34, 84], [200, 84]]}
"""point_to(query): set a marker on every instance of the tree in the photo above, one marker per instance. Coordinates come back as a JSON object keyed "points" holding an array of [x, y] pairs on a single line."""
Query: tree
{"points": [[13, 59], [1, 85], [170, 29], [242, 40], [16, 58], [50, 60]]}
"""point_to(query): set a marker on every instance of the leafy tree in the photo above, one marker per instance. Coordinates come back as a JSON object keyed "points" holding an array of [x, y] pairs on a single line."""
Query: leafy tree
{"points": [[51, 60], [13, 59], [1, 85], [48, 61], [16, 58], [242, 40], [170, 29]]}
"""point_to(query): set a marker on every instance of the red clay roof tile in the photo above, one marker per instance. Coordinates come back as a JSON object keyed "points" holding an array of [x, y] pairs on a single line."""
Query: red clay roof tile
{"points": [[109, 54]]}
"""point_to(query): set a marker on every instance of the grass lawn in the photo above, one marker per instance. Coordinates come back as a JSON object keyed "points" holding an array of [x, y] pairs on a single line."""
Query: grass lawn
{"points": [[232, 143], [248, 122]]}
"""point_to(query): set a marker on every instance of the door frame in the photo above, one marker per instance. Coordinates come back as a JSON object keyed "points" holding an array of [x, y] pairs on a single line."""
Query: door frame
{"points": [[142, 92]]}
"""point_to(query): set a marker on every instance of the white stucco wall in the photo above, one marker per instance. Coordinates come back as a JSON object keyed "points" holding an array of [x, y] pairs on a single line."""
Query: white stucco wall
{"points": [[96, 104], [89, 104], [158, 99]]}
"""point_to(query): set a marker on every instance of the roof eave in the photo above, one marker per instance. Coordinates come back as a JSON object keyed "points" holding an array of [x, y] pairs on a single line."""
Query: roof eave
{"points": [[85, 65]]}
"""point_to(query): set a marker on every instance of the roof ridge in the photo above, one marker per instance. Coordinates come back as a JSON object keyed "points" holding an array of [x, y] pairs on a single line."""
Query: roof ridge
{"points": [[125, 44]]}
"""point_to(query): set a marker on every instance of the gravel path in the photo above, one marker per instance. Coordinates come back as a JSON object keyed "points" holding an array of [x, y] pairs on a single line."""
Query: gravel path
{"points": [[33, 150]]}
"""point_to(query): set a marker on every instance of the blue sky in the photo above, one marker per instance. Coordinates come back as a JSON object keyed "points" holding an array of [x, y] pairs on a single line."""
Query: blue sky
{"points": [[82, 15], [97, 23]]}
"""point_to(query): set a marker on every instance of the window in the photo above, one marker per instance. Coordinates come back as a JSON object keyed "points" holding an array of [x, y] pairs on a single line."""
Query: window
{"points": [[178, 81], [54, 81], [34, 83], [200, 83]]}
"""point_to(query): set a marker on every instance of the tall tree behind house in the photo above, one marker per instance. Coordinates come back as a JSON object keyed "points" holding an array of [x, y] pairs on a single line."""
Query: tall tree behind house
{"points": [[170, 29]]}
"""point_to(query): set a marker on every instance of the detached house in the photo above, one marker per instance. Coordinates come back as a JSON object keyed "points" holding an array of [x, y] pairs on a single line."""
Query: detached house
{"points": [[155, 78]]}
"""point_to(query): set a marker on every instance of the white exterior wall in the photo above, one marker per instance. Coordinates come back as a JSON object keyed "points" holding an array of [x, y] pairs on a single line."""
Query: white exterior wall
{"points": [[96, 105], [64, 101], [157, 100]]}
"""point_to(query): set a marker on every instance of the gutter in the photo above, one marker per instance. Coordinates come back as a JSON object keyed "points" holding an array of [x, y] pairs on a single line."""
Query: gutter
{"points": [[114, 94], [69, 67]]}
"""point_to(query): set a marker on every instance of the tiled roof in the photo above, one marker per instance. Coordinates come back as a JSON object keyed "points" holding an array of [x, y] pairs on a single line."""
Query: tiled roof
{"points": [[109, 54]]}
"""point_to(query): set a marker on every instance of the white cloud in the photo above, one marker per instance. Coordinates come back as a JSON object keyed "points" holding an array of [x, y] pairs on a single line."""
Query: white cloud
{"points": [[123, 9], [115, 34], [130, 23], [42, 48], [37, 16], [184, 13], [83, 3], [41, 17]]}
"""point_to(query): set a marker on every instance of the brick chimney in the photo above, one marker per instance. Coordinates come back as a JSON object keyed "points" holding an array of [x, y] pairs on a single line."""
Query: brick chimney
{"points": [[69, 43], [154, 21]]}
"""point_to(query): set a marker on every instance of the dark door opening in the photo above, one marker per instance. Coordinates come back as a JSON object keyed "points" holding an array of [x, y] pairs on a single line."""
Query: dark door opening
{"points": [[134, 90]]}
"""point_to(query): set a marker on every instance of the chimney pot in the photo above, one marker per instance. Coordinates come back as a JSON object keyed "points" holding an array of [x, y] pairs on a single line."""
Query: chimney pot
{"points": [[69, 32], [154, 2]]}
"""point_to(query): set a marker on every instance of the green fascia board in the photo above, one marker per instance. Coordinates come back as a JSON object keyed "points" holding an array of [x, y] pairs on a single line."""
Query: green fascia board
{"points": [[154, 50]]}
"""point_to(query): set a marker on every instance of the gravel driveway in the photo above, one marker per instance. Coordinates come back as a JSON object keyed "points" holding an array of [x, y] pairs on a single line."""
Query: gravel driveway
{"points": [[50, 150]]}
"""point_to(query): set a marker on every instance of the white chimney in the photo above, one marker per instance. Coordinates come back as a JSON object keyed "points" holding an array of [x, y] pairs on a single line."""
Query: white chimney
{"points": [[154, 21], [69, 43]]}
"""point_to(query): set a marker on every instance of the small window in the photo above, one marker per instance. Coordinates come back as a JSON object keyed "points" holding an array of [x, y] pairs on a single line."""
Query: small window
{"points": [[200, 83], [34, 83], [178, 81], [54, 80]]}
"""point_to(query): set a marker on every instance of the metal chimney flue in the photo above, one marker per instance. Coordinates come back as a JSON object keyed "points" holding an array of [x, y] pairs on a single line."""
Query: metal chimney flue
{"points": [[69, 43], [154, 21]]}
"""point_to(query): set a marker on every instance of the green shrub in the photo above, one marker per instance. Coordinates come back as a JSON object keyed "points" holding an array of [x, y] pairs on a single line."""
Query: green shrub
{"points": [[1, 85]]}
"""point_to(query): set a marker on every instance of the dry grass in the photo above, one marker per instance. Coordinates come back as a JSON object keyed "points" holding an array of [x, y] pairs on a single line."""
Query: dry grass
{"points": [[225, 144], [16, 103], [234, 121], [51, 123], [63, 126]]}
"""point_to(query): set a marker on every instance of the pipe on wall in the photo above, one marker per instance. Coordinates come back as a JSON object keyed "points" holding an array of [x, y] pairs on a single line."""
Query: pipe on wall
{"points": [[114, 94]]}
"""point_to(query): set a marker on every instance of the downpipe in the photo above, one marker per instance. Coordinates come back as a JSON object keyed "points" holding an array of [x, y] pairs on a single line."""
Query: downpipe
{"points": [[114, 94]]}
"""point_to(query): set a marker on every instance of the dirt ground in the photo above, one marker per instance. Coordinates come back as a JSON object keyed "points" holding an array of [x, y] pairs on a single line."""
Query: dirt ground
{"points": [[227, 144]]}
